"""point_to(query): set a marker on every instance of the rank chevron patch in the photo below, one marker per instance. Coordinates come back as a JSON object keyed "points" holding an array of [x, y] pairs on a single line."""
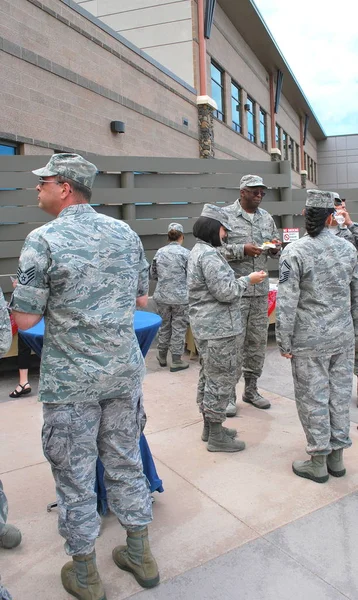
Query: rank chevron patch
{"points": [[25, 277]]}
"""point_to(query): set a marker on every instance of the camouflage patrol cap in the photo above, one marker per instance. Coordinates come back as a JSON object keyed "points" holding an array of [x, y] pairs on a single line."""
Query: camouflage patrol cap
{"points": [[251, 181], [215, 212], [319, 199], [176, 227], [71, 166]]}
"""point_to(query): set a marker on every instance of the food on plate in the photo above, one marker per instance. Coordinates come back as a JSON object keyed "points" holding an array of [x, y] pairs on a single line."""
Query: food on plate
{"points": [[268, 245]]}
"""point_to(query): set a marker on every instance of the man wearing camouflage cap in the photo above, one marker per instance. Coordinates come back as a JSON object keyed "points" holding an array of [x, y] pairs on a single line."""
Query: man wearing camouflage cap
{"points": [[316, 327], [169, 270], [251, 227], [85, 272]]}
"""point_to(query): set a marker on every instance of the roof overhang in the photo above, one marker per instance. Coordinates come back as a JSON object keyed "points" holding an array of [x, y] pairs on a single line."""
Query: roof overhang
{"points": [[248, 21]]}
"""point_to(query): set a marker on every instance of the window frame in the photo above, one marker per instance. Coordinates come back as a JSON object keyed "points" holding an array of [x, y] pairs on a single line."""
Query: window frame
{"points": [[285, 145], [263, 142], [218, 114], [251, 136], [297, 158], [234, 125]]}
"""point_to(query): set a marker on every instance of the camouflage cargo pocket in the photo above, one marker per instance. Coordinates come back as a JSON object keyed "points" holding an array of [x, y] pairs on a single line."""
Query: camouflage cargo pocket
{"points": [[221, 355], [56, 438]]}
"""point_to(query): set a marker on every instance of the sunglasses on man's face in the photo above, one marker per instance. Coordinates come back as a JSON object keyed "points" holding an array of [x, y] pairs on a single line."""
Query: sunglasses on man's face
{"points": [[256, 192], [42, 181]]}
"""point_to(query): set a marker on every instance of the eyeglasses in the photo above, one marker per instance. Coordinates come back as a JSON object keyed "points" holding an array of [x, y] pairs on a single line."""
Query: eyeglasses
{"points": [[42, 181], [256, 192]]}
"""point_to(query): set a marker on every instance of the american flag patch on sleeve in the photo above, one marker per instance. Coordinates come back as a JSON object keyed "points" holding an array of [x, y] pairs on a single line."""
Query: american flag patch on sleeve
{"points": [[284, 271]]}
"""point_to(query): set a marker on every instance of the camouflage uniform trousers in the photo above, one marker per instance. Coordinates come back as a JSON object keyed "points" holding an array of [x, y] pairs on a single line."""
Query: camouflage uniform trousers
{"points": [[323, 392], [254, 319], [173, 329], [219, 372], [3, 507], [4, 594], [73, 436]]}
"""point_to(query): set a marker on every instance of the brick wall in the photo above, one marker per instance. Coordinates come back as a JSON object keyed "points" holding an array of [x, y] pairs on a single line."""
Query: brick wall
{"points": [[64, 79]]}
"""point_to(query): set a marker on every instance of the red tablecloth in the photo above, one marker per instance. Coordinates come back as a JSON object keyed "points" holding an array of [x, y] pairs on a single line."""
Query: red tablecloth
{"points": [[272, 295]]}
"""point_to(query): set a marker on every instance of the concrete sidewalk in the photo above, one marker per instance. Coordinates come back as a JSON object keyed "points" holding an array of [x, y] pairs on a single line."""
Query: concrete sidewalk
{"points": [[238, 526]]}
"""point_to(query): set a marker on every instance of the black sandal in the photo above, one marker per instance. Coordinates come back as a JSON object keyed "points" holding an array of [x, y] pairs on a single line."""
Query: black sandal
{"points": [[23, 392]]}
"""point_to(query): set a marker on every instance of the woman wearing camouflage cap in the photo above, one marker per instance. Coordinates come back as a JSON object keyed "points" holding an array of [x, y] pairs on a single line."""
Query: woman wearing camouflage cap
{"points": [[169, 269], [214, 311], [316, 325]]}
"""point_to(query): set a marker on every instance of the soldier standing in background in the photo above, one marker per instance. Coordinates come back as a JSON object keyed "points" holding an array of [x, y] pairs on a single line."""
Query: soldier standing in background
{"points": [[85, 272], [251, 226], [214, 310], [10, 536], [316, 326], [169, 270]]}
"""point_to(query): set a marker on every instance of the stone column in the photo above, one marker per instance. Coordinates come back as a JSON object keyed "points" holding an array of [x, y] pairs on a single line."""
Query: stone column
{"points": [[303, 179], [206, 106]]}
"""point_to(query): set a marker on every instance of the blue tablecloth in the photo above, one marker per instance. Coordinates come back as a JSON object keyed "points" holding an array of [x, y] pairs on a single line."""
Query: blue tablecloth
{"points": [[146, 326]]}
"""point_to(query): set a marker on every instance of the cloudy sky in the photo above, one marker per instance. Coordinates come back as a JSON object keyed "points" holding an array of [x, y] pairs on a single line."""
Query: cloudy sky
{"points": [[319, 40]]}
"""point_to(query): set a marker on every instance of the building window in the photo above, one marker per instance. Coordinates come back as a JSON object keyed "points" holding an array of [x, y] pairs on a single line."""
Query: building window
{"points": [[315, 172], [7, 149], [236, 107], [217, 90], [263, 129], [285, 145], [278, 133], [297, 158], [305, 161], [250, 109], [292, 150]]}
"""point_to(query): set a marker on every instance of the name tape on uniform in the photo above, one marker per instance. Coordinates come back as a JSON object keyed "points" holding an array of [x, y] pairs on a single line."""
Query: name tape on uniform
{"points": [[291, 234]]}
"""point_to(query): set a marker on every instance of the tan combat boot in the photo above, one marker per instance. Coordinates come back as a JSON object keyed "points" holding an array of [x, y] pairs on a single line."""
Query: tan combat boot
{"points": [[178, 364], [314, 469], [136, 557], [335, 465], [162, 357], [219, 441], [81, 579], [205, 435], [252, 396]]}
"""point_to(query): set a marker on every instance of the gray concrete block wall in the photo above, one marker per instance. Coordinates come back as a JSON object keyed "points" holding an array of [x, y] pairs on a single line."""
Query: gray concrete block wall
{"points": [[160, 27], [338, 162], [66, 94]]}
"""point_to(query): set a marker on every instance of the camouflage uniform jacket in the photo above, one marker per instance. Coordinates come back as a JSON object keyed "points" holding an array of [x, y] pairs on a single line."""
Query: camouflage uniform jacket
{"points": [[83, 271], [214, 294], [317, 300], [169, 269], [5, 326], [260, 229], [349, 233]]}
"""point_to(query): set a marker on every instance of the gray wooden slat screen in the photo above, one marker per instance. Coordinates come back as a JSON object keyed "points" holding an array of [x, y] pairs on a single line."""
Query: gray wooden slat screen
{"points": [[161, 190]]}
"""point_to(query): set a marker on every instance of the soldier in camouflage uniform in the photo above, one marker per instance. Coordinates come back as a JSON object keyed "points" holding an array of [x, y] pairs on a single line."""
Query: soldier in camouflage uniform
{"points": [[214, 312], [343, 225], [251, 226], [10, 536], [316, 326], [169, 268], [84, 271]]}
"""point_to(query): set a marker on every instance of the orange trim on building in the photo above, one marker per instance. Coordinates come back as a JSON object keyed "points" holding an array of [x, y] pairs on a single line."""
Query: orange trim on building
{"points": [[272, 112], [202, 49]]}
